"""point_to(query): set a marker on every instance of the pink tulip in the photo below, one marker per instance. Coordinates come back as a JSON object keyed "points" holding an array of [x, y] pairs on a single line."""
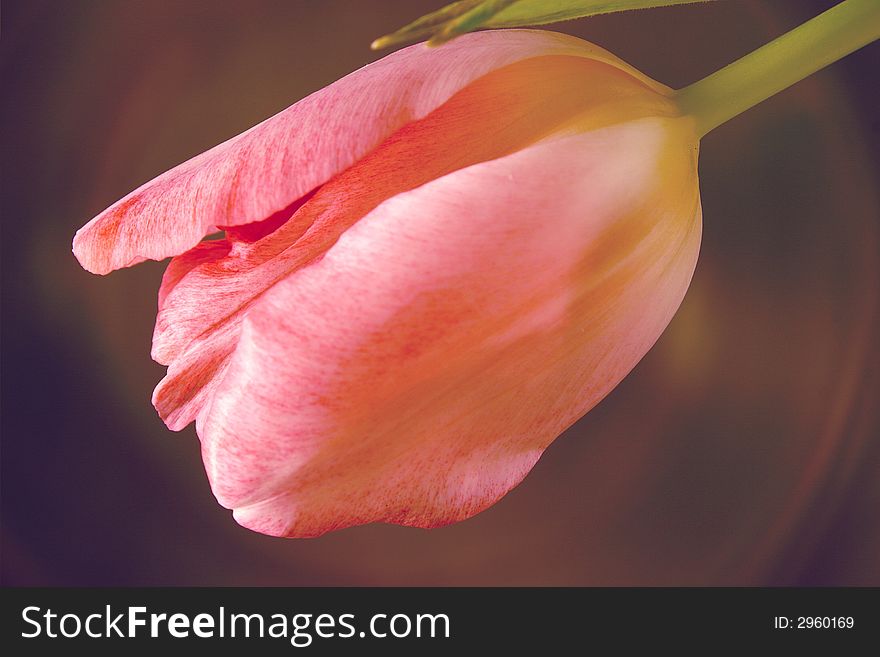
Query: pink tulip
{"points": [[431, 268]]}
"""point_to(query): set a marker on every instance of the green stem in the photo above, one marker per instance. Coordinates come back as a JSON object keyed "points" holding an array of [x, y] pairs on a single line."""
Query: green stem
{"points": [[746, 82]]}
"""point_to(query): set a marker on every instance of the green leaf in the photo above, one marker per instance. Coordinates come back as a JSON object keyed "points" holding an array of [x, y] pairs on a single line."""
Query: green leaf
{"points": [[469, 15]]}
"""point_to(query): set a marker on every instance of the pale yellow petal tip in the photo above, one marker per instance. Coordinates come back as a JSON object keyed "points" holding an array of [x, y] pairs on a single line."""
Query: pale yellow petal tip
{"points": [[382, 42], [395, 40]]}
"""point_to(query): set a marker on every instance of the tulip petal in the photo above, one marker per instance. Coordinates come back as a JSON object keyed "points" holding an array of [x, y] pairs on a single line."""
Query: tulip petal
{"points": [[417, 370], [207, 291], [267, 168]]}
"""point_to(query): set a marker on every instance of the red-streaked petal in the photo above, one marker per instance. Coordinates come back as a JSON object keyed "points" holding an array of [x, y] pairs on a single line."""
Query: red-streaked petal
{"points": [[208, 290], [416, 372], [265, 169]]}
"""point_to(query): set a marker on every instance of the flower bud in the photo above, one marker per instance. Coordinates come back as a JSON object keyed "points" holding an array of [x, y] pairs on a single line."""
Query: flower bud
{"points": [[430, 269]]}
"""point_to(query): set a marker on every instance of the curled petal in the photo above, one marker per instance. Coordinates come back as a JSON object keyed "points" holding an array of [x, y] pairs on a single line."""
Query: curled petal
{"points": [[260, 172]]}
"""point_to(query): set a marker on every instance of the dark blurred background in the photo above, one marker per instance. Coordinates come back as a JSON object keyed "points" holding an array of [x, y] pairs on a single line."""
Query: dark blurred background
{"points": [[744, 449]]}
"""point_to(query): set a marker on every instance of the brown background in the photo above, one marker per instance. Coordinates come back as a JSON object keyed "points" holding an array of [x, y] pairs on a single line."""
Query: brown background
{"points": [[744, 448]]}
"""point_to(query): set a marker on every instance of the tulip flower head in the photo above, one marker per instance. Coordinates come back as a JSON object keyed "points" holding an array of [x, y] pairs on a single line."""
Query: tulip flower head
{"points": [[428, 271]]}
